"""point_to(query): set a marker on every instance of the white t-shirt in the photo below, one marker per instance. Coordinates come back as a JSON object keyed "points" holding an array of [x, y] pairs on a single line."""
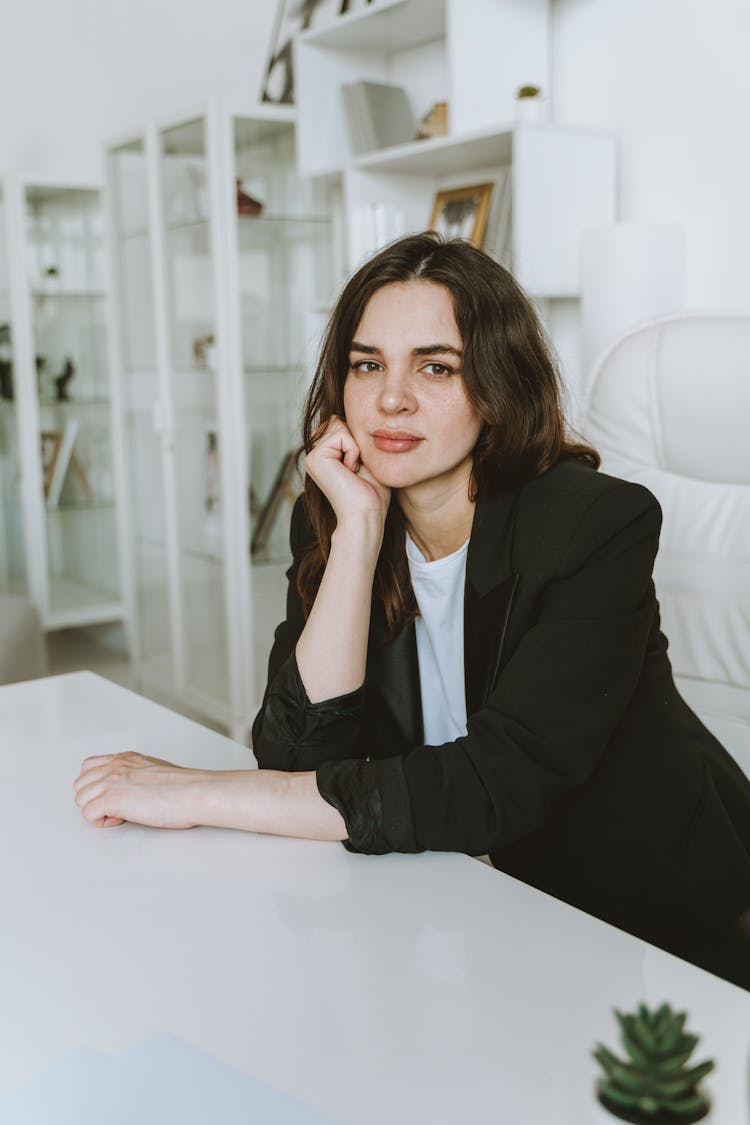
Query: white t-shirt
{"points": [[439, 590]]}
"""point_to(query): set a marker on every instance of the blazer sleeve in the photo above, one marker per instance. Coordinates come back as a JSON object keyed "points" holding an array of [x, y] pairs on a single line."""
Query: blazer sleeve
{"points": [[289, 732], [551, 714]]}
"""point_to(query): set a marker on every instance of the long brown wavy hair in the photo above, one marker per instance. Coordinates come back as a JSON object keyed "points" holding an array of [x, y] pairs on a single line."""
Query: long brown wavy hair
{"points": [[509, 374]]}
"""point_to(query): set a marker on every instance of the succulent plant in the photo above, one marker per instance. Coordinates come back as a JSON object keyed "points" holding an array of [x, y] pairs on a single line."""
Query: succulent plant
{"points": [[654, 1085], [528, 91]]}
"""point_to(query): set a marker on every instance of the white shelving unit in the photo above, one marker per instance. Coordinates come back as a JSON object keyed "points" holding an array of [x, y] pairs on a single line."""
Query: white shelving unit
{"points": [[474, 54], [214, 306], [60, 461]]}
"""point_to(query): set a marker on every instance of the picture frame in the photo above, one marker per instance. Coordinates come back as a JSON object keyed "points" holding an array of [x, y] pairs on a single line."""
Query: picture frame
{"points": [[58, 457], [462, 212], [50, 443], [283, 488]]}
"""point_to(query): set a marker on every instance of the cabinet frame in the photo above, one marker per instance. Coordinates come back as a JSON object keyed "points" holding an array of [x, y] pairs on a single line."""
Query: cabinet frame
{"points": [[29, 417], [218, 119]]}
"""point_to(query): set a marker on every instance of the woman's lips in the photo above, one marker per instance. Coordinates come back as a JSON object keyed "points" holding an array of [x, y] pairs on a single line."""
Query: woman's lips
{"points": [[397, 441]]}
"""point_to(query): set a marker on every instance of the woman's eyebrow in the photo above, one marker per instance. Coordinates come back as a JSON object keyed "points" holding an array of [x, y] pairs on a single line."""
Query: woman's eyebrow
{"points": [[427, 349], [366, 349], [438, 349]]}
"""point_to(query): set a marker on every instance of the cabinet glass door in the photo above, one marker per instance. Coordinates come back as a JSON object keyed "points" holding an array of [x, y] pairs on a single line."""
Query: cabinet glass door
{"points": [[141, 399], [285, 279], [12, 555], [65, 268], [189, 309]]}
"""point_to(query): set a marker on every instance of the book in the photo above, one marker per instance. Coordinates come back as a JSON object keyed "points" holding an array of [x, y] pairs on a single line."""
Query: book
{"points": [[378, 115]]}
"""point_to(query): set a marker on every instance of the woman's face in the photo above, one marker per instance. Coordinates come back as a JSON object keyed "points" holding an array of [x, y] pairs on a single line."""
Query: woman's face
{"points": [[404, 397]]}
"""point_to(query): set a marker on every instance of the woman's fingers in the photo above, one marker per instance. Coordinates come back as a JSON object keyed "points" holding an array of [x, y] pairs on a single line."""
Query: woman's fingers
{"points": [[336, 443], [95, 761], [112, 788]]}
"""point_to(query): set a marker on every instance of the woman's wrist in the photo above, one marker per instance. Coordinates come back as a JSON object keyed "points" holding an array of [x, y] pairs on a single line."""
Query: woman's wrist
{"points": [[361, 535], [268, 801]]}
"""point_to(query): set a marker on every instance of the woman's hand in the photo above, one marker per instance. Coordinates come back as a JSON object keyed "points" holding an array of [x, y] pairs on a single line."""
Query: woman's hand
{"points": [[113, 788], [334, 463], [117, 787]]}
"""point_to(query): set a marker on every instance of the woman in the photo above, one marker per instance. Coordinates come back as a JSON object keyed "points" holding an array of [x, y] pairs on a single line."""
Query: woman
{"points": [[471, 658]]}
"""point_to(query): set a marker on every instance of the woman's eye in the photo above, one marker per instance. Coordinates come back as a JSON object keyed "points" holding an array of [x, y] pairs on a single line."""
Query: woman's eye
{"points": [[437, 370], [365, 365]]}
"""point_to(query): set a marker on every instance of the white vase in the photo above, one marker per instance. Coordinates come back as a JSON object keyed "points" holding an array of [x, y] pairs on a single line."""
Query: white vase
{"points": [[531, 109]]}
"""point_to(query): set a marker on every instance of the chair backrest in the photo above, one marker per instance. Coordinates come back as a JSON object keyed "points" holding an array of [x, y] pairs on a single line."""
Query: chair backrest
{"points": [[669, 407]]}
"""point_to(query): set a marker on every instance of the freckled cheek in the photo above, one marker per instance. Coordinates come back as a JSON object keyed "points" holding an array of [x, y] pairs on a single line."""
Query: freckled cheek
{"points": [[356, 408]]}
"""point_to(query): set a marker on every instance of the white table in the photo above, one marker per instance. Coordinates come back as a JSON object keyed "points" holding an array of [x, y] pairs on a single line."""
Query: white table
{"points": [[424, 988]]}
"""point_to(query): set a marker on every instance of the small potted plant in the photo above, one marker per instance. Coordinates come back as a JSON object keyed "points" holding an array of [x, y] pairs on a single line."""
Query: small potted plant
{"points": [[654, 1086], [530, 104]]}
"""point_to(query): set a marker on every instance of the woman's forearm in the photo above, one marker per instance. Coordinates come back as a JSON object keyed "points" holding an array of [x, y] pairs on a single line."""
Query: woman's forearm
{"points": [[272, 801], [332, 649]]}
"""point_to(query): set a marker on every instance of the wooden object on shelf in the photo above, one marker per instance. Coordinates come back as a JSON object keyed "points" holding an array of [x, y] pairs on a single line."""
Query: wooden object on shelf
{"points": [[281, 489], [434, 123], [58, 459]]}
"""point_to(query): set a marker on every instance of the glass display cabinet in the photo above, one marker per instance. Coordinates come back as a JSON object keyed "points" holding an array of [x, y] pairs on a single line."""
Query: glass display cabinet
{"points": [[12, 553], [222, 259], [59, 489]]}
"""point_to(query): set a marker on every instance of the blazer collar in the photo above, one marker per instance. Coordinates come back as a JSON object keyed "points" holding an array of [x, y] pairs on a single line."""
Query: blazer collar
{"points": [[489, 592], [490, 557]]}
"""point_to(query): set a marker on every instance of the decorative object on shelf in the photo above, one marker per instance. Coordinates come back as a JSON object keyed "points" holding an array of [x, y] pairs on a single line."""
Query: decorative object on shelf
{"points": [[6, 364], [292, 17], [211, 495], [378, 115], [57, 458], [434, 123], [204, 350], [354, 5], [51, 279], [655, 1086], [281, 489], [246, 205], [40, 363], [530, 104], [50, 446], [462, 212], [376, 224], [62, 380]]}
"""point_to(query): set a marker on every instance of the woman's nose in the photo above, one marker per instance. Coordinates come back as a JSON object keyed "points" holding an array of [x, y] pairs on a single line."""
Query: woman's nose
{"points": [[395, 394]]}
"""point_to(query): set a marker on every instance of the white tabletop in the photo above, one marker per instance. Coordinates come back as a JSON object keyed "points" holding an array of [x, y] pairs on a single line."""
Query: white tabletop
{"points": [[400, 988]]}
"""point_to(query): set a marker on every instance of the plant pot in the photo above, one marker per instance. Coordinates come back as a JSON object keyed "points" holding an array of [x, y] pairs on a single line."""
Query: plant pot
{"points": [[531, 109], [607, 1114]]}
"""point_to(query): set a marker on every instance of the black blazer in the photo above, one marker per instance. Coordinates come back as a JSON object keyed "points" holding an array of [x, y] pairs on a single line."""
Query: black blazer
{"points": [[583, 772]]}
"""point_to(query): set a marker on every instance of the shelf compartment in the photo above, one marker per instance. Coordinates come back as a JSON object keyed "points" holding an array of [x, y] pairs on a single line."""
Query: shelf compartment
{"points": [[472, 54]]}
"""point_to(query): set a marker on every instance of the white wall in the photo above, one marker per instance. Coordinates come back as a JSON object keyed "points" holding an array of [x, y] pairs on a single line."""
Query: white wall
{"points": [[671, 79], [77, 72]]}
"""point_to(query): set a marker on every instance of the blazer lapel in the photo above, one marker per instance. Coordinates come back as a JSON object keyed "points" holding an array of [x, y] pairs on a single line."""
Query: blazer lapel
{"points": [[393, 682], [392, 667], [491, 584]]}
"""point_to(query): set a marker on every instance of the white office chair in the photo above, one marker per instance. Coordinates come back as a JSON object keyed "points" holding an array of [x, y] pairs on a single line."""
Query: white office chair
{"points": [[669, 407]]}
